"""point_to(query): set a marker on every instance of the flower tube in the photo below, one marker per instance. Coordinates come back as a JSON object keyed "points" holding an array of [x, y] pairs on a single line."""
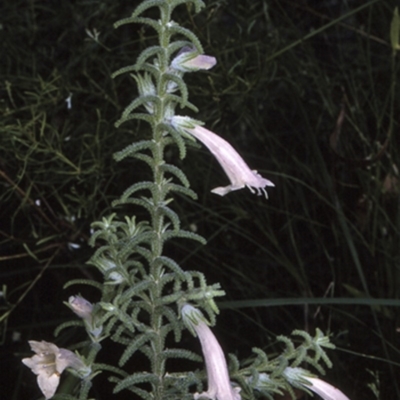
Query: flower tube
{"points": [[299, 377], [238, 172], [324, 389], [219, 385]]}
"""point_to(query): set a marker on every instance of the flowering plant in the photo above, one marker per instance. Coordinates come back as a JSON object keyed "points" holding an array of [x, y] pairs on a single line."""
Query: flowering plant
{"points": [[146, 299], [48, 364]]}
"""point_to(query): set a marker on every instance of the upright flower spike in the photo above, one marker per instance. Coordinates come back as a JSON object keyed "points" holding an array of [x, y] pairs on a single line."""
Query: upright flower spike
{"points": [[219, 385], [232, 163], [48, 364]]}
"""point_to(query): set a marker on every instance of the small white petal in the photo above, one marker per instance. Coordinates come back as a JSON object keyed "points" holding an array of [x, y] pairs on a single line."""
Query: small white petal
{"points": [[43, 347], [38, 366], [48, 385]]}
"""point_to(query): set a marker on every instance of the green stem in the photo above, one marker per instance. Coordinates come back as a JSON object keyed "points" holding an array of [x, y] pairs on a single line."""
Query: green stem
{"points": [[157, 247], [158, 364]]}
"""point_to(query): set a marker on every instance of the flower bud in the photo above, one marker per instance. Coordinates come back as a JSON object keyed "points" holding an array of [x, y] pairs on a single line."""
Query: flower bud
{"points": [[81, 307], [188, 61], [219, 385]]}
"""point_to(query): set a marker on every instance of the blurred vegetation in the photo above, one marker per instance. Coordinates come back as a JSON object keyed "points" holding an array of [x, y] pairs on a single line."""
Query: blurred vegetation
{"points": [[305, 90]]}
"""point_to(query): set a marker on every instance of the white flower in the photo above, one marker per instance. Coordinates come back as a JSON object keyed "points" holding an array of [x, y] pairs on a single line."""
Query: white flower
{"points": [[234, 166], [301, 378], [48, 364], [219, 385]]}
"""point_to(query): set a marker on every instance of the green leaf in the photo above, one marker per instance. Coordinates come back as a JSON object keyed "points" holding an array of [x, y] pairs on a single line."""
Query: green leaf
{"points": [[180, 83], [133, 148], [177, 29], [138, 20], [123, 70], [88, 282], [145, 5], [181, 353], [147, 53], [136, 343], [135, 290], [180, 142], [140, 101], [140, 377], [181, 189], [172, 169], [171, 215], [171, 264], [135, 188], [183, 234], [140, 116]]}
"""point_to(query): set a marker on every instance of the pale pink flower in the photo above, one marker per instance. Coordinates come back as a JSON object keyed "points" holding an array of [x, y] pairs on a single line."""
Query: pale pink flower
{"points": [[48, 364], [325, 390], [219, 385], [81, 307], [232, 163], [187, 61], [300, 377]]}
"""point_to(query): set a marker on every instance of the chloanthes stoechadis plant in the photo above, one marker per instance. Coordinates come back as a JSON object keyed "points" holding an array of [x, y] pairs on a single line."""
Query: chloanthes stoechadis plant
{"points": [[146, 300]]}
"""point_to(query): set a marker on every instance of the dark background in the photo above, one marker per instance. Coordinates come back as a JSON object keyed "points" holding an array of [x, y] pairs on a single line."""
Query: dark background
{"points": [[329, 229]]}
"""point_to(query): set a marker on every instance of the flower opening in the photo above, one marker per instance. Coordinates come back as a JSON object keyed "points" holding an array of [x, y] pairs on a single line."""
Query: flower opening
{"points": [[48, 364]]}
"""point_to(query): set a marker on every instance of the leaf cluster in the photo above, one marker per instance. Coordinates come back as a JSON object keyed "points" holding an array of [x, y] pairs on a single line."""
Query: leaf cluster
{"points": [[268, 376]]}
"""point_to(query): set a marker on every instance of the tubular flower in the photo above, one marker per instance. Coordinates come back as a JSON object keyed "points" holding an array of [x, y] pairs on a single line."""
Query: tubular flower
{"points": [[48, 364], [81, 307], [300, 378], [219, 386], [84, 309], [325, 390], [232, 163]]}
